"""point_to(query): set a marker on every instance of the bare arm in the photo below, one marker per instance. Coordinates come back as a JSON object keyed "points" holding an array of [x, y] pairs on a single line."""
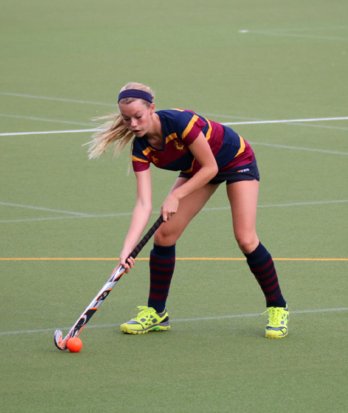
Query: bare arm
{"points": [[140, 217], [205, 157]]}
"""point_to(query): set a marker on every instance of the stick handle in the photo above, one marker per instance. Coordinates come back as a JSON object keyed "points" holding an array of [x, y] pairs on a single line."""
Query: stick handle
{"points": [[146, 237]]}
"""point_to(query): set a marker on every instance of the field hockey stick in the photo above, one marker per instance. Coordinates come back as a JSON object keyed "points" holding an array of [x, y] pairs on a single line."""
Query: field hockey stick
{"points": [[59, 341]]}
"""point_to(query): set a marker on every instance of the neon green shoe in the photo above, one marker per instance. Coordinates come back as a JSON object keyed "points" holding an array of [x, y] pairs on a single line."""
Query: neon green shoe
{"points": [[277, 326], [147, 320]]}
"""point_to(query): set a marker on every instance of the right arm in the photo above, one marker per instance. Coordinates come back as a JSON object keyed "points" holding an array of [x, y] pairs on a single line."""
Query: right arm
{"points": [[140, 217]]}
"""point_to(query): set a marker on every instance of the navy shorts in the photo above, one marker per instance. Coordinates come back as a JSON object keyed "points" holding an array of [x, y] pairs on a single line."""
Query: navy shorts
{"points": [[248, 172]]}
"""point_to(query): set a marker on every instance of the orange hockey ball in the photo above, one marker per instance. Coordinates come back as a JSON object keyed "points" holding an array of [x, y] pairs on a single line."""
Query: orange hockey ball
{"points": [[74, 345]]}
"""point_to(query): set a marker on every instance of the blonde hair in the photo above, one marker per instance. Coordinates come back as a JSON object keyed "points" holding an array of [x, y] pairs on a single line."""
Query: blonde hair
{"points": [[113, 130]]}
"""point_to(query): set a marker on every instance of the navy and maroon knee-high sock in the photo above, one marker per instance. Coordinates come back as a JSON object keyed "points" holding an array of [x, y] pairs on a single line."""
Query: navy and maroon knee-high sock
{"points": [[262, 266], [162, 263]]}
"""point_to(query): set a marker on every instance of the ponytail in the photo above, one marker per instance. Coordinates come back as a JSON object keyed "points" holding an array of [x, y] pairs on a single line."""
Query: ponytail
{"points": [[113, 131]]}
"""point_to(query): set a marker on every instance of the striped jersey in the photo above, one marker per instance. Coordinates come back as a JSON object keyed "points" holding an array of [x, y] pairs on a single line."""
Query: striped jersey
{"points": [[179, 130]]}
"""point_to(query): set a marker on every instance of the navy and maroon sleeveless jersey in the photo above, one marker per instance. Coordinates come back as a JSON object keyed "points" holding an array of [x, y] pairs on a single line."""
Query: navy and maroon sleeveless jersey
{"points": [[179, 130]]}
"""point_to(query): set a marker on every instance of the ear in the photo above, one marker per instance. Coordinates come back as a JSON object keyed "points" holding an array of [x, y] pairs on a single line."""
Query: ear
{"points": [[152, 108]]}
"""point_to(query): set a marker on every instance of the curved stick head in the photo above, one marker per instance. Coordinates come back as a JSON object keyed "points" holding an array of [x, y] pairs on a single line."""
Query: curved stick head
{"points": [[59, 341]]}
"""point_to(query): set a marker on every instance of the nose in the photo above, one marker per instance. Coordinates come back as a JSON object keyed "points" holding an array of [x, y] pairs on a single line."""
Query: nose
{"points": [[133, 122]]}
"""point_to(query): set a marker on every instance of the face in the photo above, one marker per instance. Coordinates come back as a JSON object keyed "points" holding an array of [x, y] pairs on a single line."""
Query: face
{"points": [[137, 116]]}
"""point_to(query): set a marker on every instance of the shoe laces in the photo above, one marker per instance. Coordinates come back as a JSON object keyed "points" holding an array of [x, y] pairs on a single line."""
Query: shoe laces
{"points": [[144, 311], [275, 315]]}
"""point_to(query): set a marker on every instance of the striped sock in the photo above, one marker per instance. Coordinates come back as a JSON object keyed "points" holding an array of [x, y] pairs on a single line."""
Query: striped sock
{"points": [[162, 263], [262, 266]]}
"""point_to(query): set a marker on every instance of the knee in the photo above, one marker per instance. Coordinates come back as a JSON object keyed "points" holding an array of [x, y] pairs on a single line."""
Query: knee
{"points": [[247, 242], [165, 237]]}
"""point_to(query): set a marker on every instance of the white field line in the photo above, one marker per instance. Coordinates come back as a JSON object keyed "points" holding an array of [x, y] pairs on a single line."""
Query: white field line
{"points": [[183, 320], [307, 125], [39, 208], [252, 122], [50, 132], [311, 125], [40, 119], [56, 99], [286, 34], [299, 148], [63, 217], [90, 102], [307, 29], [286, 205], [74, 215], [270, 145], [279, 121]]}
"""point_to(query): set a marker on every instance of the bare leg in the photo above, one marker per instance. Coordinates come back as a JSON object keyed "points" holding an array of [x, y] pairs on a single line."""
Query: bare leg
{"points": [[243, 197]]}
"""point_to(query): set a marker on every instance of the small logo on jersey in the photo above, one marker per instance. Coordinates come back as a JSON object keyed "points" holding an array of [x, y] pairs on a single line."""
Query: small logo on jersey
{"points": [[179, 146]]}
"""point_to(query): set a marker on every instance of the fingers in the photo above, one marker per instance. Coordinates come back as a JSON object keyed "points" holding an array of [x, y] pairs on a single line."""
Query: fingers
{"points": [[131, 262], [127, 264], [167, 215], [169, 207]]}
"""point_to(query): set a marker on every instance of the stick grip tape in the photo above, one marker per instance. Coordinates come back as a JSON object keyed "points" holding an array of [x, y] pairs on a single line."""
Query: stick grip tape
{"points": [[146, 237]]}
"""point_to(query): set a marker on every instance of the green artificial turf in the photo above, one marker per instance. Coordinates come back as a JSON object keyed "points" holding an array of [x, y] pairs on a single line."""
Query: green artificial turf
{"points": [[233, 61]]}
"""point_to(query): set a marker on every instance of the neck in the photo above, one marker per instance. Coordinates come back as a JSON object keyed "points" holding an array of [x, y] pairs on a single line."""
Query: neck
{"points": [[155, 132]]}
